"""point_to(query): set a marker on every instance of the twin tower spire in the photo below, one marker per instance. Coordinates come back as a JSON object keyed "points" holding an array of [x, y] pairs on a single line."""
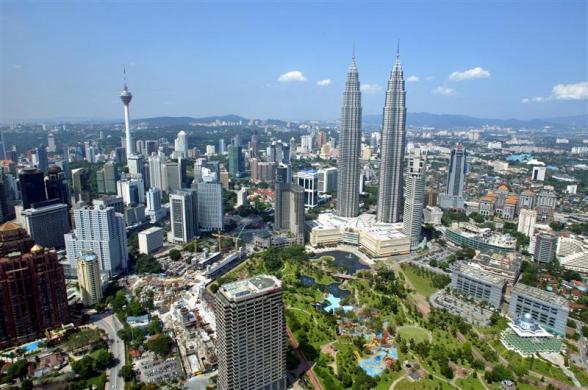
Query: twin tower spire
{"points": [[392, 146]]}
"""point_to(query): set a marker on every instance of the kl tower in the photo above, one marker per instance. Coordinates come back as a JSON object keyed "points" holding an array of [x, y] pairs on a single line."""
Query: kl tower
{"points": [[134, 162]]}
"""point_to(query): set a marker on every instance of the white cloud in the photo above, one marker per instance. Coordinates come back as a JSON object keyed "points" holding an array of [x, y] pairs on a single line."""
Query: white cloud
{"points": [[292, 76], [474, 73], [444, 91], [324, 83], [371, 88], [412, 79], [577, 91]]}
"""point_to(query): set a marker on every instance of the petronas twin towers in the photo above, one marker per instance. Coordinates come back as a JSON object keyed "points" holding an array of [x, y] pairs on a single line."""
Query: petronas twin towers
{"points": [[392, 147]]}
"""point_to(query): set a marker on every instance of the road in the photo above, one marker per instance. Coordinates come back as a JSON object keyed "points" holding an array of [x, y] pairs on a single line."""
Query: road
{"points": [[306, 366], [112, 325]]}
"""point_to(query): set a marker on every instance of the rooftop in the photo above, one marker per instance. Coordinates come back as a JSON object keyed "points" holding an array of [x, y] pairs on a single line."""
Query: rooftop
{"points": [[248, 288], [538, 294], [152, 229], [474, 271]]}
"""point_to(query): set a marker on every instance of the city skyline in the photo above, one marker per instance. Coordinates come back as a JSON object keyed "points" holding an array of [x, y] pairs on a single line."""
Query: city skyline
{"points": [[455, 59]]}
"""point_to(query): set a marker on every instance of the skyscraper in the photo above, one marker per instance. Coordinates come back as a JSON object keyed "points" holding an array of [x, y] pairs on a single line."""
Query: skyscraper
{"points": [[56, 185], [350, 144], [88, 272], [415, 197], [393, 146], [102, 231], [251, 334], [47, 222], [289, 209], [236, 163], [80, 184], [210, 205], [33, 296], [184, 215], [106, 178], [31, 187], [453, 196], [527, 219], [181, 144], [42, 157]]}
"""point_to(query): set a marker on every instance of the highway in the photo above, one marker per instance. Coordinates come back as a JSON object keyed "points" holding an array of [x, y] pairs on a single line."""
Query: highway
{"points": [[112, 325]]}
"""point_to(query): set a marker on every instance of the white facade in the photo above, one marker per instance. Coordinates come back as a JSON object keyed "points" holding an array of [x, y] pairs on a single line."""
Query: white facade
{"points": [[527, 219], [181, 144], [155, 179], [131, 190], [102, 231], [242, 197], [306, 143], [414, 197], [150, 240], [538, 174], [183, 216], [433, 215], [309, 180], [210, 150]]}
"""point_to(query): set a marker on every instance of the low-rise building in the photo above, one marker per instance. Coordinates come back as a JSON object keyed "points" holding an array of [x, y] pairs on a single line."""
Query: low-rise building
{"points": [[433, 215], [150, 240], [482, 239], [471, 280], [548, 309]]}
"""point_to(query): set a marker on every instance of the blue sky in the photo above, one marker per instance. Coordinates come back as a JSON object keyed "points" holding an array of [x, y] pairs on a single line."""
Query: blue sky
{"points": [[515, 59]]}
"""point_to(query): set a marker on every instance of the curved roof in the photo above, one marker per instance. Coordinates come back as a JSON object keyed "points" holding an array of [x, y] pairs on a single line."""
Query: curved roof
{"points": [[9, 227]]}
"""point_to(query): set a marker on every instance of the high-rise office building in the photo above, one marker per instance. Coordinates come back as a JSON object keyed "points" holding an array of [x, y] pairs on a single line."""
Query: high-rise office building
{"points": [[289, 209], [42, 157], [393, 146], [80, 184], [415, 197], [327, 180], [89, 282], [236, 162], [33, 296], [545, 246], [150, 147], [251, 334], [131, 189], [102, 231], [171, 177], [210, 204], [453, 196], [283, 174], [221, 146], [51, 147], [184, 215], [32, 186], [181, 144], [56, 185], [350, 144], [309, 181], [106, 178], [47, 222], [527, 219], [155, 176]]}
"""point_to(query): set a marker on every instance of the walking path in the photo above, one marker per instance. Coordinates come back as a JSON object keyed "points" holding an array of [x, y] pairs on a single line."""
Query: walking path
{"points": [[306, 366]]}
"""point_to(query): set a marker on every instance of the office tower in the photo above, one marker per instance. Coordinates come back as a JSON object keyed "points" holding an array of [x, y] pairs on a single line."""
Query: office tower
{"points": [[545, 245], [31, 187], [42, 157], [289, 209], [251, 334], [210, 150], [140, 146], [415, 197], [107, 178], [545, 202], [90, 152], [327, 180], [171, 177], [80, 184], [236, 163], [350, 141], [214, 167], [136, 165], [120, 155], [150, 147], [153, 199], [51, 147], [221, 146], [283, 173], [262, 171], [12, 154], [210, 204], [453, 196], [527, 219], [89, 282], [102, 231], [33, 295], [242, 197], [155, 177], [56, 185], [538, 173], [184, 215], [181, 144], [3, 155], [131, 189], [253, 144], [183, 171], [431, 197], [392, 148], [134, 214], [225, 179], [309, 181], [547, 308], [115, 202], [47, 222], [306, 143]]}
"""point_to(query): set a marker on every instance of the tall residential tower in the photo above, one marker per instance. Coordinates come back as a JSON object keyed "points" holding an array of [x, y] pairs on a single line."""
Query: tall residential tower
{"points": [[453, 196], [415, 197], [349, 146], [393, 145]]}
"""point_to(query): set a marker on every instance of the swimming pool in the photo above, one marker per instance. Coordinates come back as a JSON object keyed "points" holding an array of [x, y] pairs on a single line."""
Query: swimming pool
{"points": [[31, 347], [335, 303], [375, 365]]}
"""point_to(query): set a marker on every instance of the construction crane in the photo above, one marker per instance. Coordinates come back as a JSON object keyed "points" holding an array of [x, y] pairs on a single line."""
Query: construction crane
{"points": [[220, 236]]}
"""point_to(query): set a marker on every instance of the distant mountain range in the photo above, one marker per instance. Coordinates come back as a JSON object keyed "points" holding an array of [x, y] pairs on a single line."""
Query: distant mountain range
{"points": [[423, 119], [414, 119]]}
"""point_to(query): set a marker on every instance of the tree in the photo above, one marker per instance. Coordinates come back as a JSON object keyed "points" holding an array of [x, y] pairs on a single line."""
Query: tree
{"points": [[102, 359], [18, 370], [175, 255], [161, 345], [154, 326], [84, 367], [126, 372], [27, 384]]}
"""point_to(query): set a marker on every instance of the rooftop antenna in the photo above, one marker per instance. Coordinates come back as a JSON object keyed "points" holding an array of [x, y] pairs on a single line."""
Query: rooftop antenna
{"points": [[398, 48]]}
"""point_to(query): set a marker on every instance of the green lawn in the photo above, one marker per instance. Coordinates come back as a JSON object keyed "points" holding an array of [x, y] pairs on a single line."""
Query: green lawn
{"points": [[581, 375], [424, 383], [422, 285], [413, 332], [470, 383]]}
